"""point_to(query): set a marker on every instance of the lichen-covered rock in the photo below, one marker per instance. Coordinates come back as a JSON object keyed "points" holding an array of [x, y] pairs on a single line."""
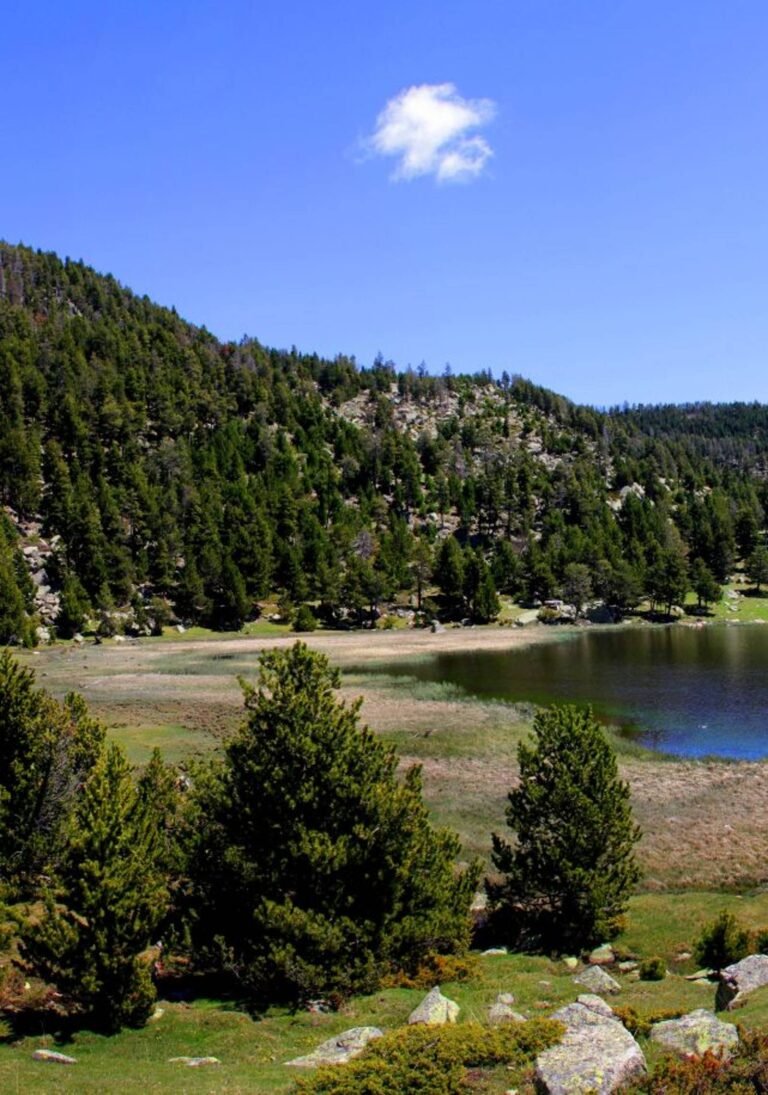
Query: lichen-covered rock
{"points": [[435, 1009], [53, 1057], [597, 1054], [603, 955], [582, 1015], [571, 962], [501, 1010], [738, 980], [596, 1003], [597, 980], [339, 1049], [695, 1033]]}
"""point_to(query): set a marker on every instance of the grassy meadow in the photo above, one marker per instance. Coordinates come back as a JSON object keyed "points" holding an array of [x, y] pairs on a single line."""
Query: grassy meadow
{"points": [[253, 1052]]}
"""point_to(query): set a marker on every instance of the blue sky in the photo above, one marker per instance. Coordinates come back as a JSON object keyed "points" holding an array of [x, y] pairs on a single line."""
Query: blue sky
{"points": [[584, 203]]}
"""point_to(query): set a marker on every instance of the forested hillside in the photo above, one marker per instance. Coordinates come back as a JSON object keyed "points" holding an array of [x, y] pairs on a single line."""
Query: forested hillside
{"points": [[145, 466]]}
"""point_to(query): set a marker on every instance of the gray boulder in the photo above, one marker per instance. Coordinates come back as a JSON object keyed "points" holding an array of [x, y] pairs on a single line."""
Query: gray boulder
{"points": [[339, 1049], [53, 1057], [501, 1010], [596, 1055], [695, 1034], [597, 980], [435, 1009], [603, 955], [738, 980], [596, 1004]]}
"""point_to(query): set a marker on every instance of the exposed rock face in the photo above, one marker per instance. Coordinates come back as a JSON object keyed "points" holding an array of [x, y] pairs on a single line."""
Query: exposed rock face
{"points": [[696, 1033], [53, 1057], [596, 1055], [597, 980], [738, 980], [435, 1009], [339, 1049]]}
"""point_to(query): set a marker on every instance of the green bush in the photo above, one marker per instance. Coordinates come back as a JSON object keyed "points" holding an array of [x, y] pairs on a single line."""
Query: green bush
{"points": [[423, 1060], [760, 941], [640, 1025], [653, 969], [722, 942], [304, 620]]}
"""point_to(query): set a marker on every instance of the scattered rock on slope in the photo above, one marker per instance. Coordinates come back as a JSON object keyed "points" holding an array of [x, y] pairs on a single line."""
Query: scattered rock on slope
{"points": [[738, 980], [435, 1009], [53, 1057], [597, 980], [695, 1033], [597, 1054], [339, 1049]]}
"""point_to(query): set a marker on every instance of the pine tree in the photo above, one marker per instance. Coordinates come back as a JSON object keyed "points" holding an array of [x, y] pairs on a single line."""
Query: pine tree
{"points": [[15, 626], [46, 751], [109, 896], [568, 877], [314, 865], [449, 573], [757, 567]]}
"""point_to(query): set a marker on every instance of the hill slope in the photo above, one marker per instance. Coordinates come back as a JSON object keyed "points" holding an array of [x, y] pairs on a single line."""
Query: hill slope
{"points": [[141, 458]]}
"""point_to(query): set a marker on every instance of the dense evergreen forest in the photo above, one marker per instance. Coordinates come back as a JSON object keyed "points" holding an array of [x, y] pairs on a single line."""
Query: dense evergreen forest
{"points": [[163, 473]]}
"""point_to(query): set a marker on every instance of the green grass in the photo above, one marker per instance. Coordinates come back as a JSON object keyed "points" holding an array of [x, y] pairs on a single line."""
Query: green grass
{"points": [[256, 629], [177, 743], [253, 1052], [749, 607]]}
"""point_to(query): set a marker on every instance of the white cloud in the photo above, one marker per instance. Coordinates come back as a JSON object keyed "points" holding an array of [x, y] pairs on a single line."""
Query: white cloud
{"points": [[428, 128]]}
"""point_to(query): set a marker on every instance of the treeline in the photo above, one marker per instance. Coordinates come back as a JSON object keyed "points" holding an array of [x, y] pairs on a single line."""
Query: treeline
{"points": [[165, 464]]}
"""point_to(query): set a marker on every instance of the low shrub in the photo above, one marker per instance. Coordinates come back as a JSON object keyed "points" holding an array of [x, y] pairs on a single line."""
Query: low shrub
{"points": [[746, 1071], [423, 1060], [640, 1025], [653, 969], [722, 942], [435, 969]]}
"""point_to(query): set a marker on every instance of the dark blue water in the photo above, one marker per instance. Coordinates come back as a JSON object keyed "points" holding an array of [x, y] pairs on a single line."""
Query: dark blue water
{"points": [[692, 692]]}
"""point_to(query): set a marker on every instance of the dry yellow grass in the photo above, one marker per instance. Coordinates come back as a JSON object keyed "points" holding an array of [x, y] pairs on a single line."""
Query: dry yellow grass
{"points": [[705, 824]]}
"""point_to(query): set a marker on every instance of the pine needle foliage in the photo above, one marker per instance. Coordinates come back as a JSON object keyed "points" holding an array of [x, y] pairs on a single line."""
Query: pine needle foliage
{"points": [[315, 868], [109, 898], [568, 876], [47, 749]]}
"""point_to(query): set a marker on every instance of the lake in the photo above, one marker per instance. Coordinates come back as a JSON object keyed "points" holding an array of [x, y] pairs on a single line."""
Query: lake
{"points": [[689, 691]]}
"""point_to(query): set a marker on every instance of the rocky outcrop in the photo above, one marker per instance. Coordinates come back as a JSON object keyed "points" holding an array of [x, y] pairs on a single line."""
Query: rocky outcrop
{"points": [[739, 980], [435, 1009], [597, 980], [696, 1033], [597, 1054], [339, 1049]]}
